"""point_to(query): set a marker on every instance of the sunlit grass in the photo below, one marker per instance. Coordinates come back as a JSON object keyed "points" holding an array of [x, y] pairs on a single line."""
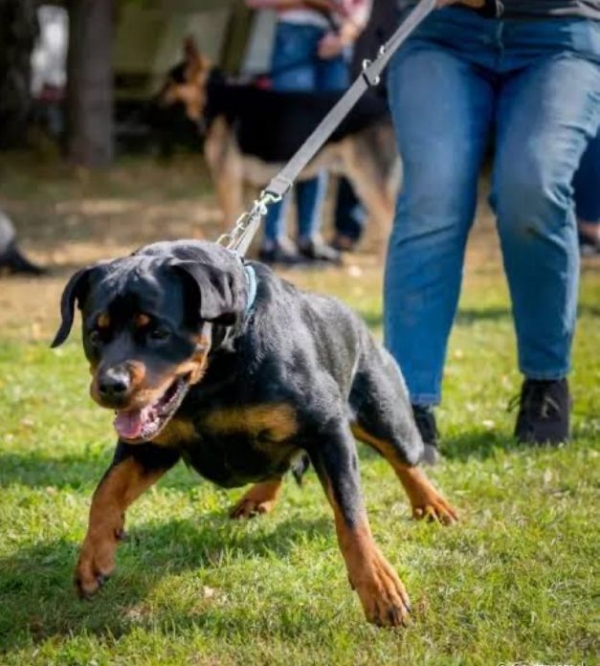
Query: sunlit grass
{"points": [[516, 581]]}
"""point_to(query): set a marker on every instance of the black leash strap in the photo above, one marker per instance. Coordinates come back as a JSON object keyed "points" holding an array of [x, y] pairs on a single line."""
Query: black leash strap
{"points": [[240, 237]]}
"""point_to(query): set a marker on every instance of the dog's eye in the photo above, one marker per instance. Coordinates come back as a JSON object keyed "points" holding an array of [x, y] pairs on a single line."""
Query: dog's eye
{"points": [[95, 337], [159, 334]]}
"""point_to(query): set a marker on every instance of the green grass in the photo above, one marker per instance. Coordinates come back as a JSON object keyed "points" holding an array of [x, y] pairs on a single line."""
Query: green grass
{"points": [[516, 580]]}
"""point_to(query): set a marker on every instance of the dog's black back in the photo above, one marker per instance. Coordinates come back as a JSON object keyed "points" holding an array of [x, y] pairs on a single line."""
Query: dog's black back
{"points": [[272, 125]]}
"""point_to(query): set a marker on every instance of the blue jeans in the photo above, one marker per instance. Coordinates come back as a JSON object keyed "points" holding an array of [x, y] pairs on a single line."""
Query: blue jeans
{"points": [[534, 87], [587, 184], [350, 217], [296, 66]]}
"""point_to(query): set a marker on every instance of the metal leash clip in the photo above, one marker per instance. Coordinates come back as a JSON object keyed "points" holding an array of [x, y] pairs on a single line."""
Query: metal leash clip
{"points": [[240, 237], [366, 72]]}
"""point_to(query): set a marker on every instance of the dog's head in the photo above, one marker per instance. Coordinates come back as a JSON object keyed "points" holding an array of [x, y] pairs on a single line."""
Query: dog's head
{"points": [[192, 91], [150, 327]]}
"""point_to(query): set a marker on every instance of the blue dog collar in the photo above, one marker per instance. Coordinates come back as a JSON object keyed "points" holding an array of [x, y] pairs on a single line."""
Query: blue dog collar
{"points": [[252, 283]]}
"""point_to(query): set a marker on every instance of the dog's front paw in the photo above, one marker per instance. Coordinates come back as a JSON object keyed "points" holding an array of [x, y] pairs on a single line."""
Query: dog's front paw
{"points": [[249, 508], [425, 500], [382, 594], [436, 509], [96, 563], [261, 498]]}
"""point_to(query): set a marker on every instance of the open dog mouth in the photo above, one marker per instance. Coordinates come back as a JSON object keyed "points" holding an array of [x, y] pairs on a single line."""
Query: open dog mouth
{"points": [[146, 423]]}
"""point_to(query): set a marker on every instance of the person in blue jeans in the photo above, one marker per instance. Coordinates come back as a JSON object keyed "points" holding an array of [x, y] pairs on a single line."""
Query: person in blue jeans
{"points": [[525, 73], [586, 185], [313, 42]]}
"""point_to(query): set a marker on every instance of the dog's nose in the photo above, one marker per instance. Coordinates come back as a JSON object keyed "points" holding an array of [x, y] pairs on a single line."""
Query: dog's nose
{"points": [[114, 384]]}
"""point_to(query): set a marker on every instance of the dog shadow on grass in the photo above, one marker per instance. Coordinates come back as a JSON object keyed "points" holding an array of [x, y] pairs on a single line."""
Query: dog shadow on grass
{"points": [[480, 445], [74, 471], [82, 472], [465, 317], [472, 445], [38, 596]]}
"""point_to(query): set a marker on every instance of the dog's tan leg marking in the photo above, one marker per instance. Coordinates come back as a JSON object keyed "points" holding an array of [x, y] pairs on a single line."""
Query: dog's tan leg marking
{"points": [[261, 498], [382, 594], [121, 486], [374, 181], [425, 500], [225, 163]]}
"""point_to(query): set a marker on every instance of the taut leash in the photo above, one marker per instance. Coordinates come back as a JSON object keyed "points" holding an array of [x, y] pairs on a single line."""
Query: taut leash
{"points": [[240, 237]]}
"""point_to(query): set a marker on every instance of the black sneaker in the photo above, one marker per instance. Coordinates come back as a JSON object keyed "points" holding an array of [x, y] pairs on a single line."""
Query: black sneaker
{"points": [[341, 243], [425, 420], [281, 252], [317, 251], [589, 245], [544, 412]]}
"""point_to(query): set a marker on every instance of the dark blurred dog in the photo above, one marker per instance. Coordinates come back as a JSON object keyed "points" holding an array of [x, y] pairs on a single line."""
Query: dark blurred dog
{"points": [[12, 259], [249, 133], [217, 361]]}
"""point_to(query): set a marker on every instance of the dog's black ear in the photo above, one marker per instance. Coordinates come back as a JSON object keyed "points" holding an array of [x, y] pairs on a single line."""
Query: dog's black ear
{"points": [[220, 297], [75, 290]]}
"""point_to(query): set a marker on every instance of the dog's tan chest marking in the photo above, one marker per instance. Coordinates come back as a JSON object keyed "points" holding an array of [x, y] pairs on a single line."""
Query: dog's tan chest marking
{"points": [[263, 423], [177, 432]]}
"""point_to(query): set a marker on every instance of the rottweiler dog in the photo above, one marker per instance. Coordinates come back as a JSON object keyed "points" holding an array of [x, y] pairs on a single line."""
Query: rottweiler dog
{"points": [[217, 361]]}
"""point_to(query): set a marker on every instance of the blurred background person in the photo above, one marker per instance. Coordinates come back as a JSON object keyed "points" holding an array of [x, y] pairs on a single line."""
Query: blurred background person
{"points": [[312, 52]]}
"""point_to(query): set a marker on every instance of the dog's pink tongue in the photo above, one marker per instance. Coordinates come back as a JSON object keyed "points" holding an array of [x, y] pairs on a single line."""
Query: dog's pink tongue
{"points": [[129, 424]]}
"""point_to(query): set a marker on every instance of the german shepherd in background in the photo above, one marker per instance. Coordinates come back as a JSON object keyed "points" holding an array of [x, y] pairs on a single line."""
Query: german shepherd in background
{"points": [[250, 133]]}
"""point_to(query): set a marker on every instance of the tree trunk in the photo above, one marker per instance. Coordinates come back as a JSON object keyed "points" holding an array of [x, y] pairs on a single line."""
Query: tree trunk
{"points": [[18, 32], [90, 139]]}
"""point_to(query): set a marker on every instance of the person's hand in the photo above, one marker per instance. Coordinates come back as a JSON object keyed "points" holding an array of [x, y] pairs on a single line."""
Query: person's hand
{"points": [[330, 46], [471, 3]]}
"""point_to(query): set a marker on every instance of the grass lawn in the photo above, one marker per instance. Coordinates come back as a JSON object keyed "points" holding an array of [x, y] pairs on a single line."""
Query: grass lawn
{"points": [[517, 580]]}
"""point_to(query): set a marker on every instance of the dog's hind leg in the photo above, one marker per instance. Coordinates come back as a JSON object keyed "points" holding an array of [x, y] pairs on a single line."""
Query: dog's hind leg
{"points": [[374, 180], [133, 470], [383, 420], [225, 163], [261, 498]]}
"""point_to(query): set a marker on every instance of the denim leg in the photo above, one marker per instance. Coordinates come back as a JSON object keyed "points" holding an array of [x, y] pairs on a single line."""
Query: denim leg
{"points": [[309, 198], [546, 114], [294, 61], [350, 215], [331, 74], [275, 221], [441, 107], [587, 183], [296, 66]]}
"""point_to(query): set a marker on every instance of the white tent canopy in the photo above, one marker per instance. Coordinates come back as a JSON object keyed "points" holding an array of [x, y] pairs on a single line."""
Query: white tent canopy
{"points": [[148, 40]]}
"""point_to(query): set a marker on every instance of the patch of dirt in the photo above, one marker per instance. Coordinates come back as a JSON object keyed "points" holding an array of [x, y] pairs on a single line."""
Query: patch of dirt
{"points": [[66, 219]]}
